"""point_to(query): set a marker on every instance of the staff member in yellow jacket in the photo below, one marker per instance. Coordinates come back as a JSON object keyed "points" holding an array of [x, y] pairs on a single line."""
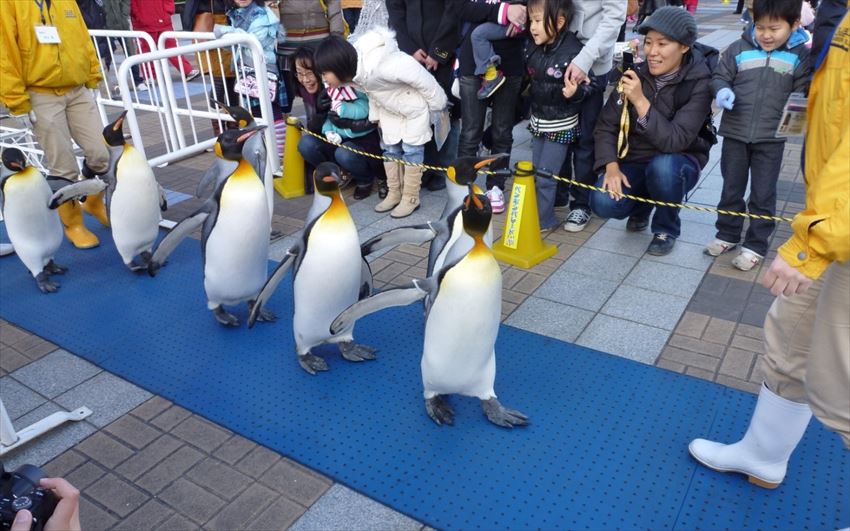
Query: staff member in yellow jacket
{"points": [[807, 331], [47, 64]]}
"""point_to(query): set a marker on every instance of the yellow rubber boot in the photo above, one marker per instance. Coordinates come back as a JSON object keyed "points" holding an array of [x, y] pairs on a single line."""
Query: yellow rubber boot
{"points": [[72, 218], [95, 206]]}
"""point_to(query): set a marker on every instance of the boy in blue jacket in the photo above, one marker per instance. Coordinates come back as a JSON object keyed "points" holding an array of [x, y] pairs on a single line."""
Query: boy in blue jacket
{"points": [[752, 82]]}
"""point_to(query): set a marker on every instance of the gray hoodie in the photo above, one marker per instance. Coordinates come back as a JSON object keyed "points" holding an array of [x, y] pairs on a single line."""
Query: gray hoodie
{"points": [[597, 23]]}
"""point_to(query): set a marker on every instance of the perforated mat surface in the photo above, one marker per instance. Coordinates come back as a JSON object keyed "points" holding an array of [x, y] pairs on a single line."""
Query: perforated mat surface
{"points": [[607, 447]]}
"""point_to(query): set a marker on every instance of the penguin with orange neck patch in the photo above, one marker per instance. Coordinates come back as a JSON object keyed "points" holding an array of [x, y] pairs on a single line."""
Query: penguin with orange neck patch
{"points": [[329, 275], [463, 303], [235, 237]]}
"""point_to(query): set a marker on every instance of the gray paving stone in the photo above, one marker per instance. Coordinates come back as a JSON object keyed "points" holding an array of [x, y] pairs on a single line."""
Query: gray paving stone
{"points": [[620, 241], [44, 448], [562, 322], [145, 517], [178, 522], [169, 469], [219, 478], [665, 278], [575, 289], [697, 233], [56, 373], [192, 500], [18, 399], [93, 517], [150, 456], [201, 433], [133, 431], [280, 515], [705, 197], [684, 254], [170, 417], [63, 464], [651, 308], [243, 510], [295, 482], [117, 495], [257, 461], [626, 339], [342, 508], [234, 449], [107, 395], [85, 475], [151, 408], [600, 264], [105, 449]]}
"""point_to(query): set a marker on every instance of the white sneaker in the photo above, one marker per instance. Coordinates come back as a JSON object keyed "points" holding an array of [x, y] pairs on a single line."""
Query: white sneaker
{"points": [[747, 259], [193, 74], [577, 220], [497, 200], [718, 247], [143, 86]]}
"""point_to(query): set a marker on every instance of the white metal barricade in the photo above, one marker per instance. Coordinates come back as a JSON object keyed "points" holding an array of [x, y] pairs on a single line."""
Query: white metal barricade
{"points": [[197, 145]]}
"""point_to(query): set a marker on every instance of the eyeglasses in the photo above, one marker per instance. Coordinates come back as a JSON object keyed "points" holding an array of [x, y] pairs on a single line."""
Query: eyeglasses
{"points": [[305, 75]]}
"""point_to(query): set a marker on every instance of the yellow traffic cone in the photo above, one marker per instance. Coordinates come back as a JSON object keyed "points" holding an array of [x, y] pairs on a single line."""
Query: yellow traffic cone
{"points": [[292, 183], [521, 244]]}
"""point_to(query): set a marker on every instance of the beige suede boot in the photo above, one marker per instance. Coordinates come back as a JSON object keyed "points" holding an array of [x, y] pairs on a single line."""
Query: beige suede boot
{"points": [[410, 192], [393, 171]]}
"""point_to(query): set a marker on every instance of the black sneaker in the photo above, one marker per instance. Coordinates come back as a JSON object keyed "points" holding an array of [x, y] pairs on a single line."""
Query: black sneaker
{"points": [[661, 244], [637, 223], [362, 191], [577, 220], [490, 86], [382, 188]]}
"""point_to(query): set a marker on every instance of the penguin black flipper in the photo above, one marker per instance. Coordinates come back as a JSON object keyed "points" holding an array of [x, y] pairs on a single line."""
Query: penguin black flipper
{"points": [[257, 159], [217, 173], [177, 235], [415, 234], [293, 255], [77, 189], [366, 280], [163, 199], [415, 291]]}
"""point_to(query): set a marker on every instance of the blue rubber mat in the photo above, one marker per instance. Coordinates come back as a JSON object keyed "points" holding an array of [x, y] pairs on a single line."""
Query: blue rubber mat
{"points": [[606, 448]]}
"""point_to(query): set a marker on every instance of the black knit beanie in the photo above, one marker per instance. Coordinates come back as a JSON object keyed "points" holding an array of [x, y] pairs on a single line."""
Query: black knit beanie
{"points": [[674, 22]]}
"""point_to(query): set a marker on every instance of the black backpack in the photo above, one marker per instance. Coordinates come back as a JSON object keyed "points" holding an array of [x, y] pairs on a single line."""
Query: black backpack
{"points": [[685, 88]]}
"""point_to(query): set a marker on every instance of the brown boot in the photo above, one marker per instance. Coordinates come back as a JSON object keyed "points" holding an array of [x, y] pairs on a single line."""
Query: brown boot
{"points": [[410, 192], [72, 218], [393, 171], [95, 206]]}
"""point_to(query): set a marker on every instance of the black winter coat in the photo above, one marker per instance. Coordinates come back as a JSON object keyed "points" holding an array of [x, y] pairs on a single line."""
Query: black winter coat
{"points": [[546, 66], [668, 129]]}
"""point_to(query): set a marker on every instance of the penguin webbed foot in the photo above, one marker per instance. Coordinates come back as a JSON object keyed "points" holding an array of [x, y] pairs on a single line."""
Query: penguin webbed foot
{"points": [[263, 315], [45, 284], [142, 264], [224, 317], [502, 416], [312, 363], [154, 267], [354, 352], [439, 410], [52, 268]]}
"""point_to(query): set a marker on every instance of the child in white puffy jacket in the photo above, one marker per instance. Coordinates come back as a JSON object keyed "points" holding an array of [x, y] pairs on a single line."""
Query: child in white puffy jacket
{"points": [[402, 96]]}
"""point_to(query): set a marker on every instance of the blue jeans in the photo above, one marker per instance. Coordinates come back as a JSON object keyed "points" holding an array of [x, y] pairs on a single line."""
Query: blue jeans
{"points": [[316, 152], [405, 152], [482, 38], [667, 177]]}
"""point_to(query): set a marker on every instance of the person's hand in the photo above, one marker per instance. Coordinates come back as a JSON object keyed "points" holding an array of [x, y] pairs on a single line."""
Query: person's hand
{"points": [[27, 119], [782, 278], [614, 181], [632, 88], [517, 14], [576, 74], [323, 102], [512, 30], [725, 98], [219, 30], [334, 137], [420, 55], [66, 516], [570, 87], [431, 63]]}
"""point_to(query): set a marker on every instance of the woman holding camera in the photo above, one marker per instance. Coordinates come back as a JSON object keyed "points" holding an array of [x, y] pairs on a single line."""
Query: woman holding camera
{"points": [[668, 98]]}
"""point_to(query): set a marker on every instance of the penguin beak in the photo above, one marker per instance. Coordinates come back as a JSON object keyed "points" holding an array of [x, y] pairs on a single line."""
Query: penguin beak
{"points": [[331, 178], [16, 165], [486, 162], [250, 132], [119, 123]]}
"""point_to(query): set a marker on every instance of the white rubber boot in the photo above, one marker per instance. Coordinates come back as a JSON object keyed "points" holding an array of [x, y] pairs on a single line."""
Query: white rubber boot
{"points": [[775, 430]]}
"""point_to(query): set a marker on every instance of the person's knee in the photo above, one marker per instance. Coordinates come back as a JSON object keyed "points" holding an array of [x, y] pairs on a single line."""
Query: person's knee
{"points": [[309, 149], [98, 160], [670, 175], [605, 207]]}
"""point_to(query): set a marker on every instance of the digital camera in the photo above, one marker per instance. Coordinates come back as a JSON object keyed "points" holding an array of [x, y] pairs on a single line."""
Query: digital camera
{"points": [[19, 490]]}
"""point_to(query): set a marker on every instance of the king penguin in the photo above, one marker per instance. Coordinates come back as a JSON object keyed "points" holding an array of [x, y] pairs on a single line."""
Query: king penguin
{"points": [[447, 237], [463, 304], [329, 275], [235, 237], [134, 199], [28, 204], [254, 151]]}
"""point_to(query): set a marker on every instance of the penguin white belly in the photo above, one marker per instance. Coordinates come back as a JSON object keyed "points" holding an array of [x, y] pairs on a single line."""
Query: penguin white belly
{"points": [[134, 206], [237, 247], [460, 334], [327, 281], [34, 230]]}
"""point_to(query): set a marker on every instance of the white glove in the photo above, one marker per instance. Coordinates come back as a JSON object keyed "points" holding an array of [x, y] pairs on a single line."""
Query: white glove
{"points": [[220, 29], [333, 136], [27, 120]]}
